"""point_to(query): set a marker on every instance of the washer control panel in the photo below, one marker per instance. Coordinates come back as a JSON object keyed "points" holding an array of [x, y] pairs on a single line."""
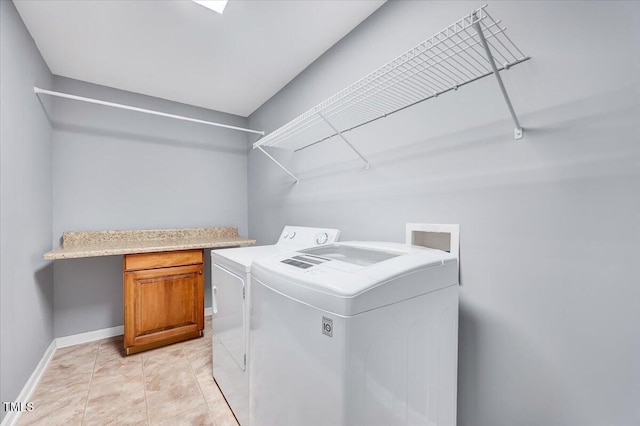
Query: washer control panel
{"points": [[302, 236]]}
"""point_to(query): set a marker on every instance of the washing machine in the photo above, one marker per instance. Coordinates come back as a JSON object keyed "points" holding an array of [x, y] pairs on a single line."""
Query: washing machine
{"points": [[230, 290], [354, 333]]}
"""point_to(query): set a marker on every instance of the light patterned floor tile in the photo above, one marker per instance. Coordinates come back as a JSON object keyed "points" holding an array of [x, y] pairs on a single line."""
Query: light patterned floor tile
{"points": [[197, 417], [200, 361], [198, 343], [97, 384], [59, 408], [68, 370], [220, 411], [167, 398], [117, 397], [113, 348], [166, 366], [121, 418]]}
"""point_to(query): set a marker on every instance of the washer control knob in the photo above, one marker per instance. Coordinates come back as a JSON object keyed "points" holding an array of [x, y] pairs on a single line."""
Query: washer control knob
{"points": [[293, 234], [322, 238], [285, 234]]}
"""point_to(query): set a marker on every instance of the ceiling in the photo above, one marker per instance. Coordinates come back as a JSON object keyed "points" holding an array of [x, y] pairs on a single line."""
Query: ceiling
{"points": [[181, 51]]}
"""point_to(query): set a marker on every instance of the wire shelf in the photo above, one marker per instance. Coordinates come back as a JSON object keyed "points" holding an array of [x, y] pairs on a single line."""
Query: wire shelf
{"points": [[450, 59]]}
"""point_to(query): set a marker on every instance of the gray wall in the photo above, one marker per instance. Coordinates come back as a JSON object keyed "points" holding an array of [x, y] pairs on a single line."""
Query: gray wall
{"points": [[26, 287], [115, 169], [550, 234]]}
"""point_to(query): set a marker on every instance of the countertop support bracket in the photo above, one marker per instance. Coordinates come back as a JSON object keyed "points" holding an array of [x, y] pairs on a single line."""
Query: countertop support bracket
{"points": [[367, 166], [517, 133]]}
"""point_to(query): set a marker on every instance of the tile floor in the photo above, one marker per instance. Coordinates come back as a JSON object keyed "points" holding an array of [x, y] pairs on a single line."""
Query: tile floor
{"points": [[95, 384]]}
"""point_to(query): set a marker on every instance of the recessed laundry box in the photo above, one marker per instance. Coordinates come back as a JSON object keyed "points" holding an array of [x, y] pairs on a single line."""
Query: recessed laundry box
{"points": [[357, 333]]}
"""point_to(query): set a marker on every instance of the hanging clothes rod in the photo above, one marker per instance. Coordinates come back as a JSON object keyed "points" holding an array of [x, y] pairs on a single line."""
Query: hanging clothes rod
{"points": [[38, 90]]}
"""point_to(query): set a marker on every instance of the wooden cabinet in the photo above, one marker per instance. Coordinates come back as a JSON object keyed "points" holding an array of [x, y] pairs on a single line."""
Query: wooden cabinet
{"points": [[163, 298]]}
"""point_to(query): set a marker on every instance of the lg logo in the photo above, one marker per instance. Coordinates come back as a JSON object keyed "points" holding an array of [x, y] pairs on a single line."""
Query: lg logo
{"points": [[327, 326]]}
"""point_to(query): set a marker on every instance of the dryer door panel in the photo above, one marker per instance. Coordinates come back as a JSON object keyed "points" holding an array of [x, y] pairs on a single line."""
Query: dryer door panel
{"points": [[228, 312]]}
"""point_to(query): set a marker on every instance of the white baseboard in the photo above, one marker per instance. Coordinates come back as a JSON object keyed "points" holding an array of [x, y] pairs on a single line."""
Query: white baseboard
{"points": [[12, 416], [90, 336]]}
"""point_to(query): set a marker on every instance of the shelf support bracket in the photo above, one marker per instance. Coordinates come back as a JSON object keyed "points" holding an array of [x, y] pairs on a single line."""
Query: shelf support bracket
{"points": [[278, 163], [367, 166], [517, 134]]}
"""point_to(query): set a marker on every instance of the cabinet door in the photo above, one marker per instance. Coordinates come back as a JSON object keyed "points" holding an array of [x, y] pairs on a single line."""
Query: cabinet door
{"points": [[163, 305]]}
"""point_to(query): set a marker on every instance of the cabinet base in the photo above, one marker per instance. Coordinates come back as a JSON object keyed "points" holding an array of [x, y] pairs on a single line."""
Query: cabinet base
{"points": [[164, 342]]}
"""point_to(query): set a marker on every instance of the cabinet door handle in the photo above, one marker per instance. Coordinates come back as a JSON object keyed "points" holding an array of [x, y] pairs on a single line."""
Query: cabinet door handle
{"points": [[214, 299]]}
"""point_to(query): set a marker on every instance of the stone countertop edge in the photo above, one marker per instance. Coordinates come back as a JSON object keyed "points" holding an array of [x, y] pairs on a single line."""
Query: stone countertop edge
{"points": [[110, 243]]}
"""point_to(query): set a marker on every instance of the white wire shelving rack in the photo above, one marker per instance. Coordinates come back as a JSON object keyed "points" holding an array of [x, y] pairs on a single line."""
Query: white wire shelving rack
{"points": [[474, 47]]}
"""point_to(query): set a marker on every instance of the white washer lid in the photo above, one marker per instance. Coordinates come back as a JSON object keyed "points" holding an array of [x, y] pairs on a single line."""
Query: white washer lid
{"points": [[357, 276]]}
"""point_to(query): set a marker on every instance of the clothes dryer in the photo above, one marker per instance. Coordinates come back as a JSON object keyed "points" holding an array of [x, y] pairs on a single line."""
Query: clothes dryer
{"points": [[230, 291]]}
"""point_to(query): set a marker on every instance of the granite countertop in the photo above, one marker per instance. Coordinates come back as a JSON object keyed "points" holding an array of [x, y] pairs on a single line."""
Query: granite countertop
{"points": [[108, 243]]}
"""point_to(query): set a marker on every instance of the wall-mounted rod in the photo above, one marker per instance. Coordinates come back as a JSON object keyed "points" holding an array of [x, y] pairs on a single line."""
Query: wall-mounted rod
{"points": [[142, 110], [278, 163], [518, 131], [366, 163]]}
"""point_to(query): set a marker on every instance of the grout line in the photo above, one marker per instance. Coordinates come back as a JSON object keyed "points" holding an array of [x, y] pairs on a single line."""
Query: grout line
{"points": [[144, 389], [210, 413], [206, 403], [93, 370], [180, 346]]}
